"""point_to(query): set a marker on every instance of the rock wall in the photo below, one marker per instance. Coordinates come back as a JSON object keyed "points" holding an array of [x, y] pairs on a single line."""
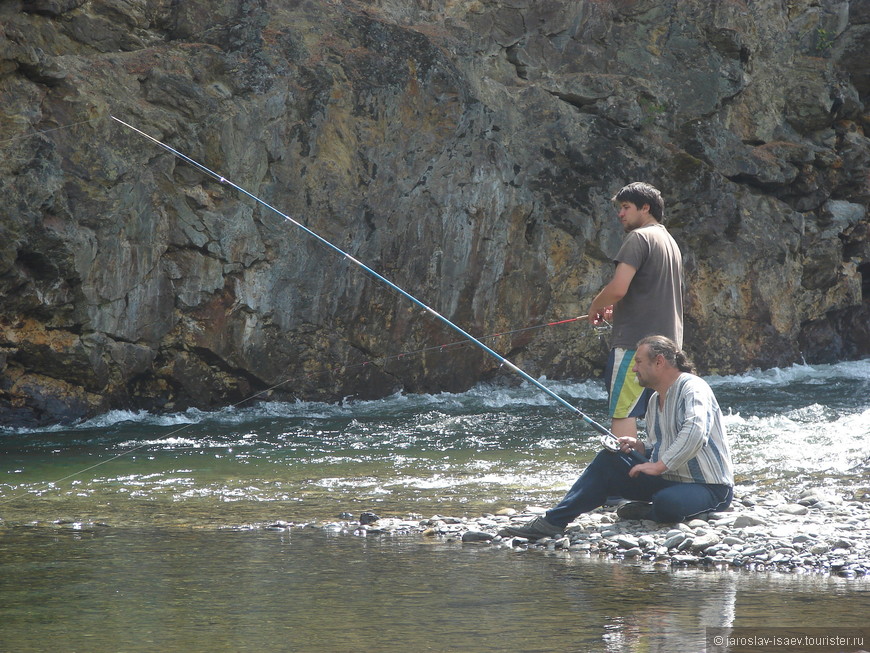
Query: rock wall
{"points": [[464, 149]]}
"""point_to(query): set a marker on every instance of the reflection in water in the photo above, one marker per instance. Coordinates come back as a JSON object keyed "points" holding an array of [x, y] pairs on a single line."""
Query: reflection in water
{"points": [[189, 590]]}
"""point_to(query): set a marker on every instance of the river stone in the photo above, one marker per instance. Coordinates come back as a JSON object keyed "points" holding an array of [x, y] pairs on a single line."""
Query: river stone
{"points": [[754, 552], [725, 520], [674, 540], [793, 509], [627, 541], [842, 543], [702, 542], [716, 549], [476, 536], [646, 542], [748, 519], [685, 544]]}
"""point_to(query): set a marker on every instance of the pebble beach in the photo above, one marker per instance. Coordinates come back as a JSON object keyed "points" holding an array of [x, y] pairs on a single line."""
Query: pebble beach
{"points": [[815, 532]]}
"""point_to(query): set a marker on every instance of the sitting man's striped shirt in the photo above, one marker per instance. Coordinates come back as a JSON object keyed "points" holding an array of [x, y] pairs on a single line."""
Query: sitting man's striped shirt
{"points": [[687, 434]]}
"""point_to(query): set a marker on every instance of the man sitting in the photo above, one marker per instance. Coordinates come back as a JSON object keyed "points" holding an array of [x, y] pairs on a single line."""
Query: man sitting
{"points": [[687, 469]]}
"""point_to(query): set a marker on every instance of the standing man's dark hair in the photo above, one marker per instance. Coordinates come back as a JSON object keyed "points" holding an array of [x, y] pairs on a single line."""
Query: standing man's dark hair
{"points": [[644, 295], [640, 193]]}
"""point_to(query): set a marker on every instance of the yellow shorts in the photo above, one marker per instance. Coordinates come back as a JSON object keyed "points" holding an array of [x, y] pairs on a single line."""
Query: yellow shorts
{"points": [[627, 397]]}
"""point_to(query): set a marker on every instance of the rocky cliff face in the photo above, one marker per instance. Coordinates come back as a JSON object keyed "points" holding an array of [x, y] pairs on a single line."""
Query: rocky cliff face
{"points": [[465, 149]]}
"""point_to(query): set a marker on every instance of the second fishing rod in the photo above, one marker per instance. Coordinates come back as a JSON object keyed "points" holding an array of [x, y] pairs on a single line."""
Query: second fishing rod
{"points": [[608, 439]]}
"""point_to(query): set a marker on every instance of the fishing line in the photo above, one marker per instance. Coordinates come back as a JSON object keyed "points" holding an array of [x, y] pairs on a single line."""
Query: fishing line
{"points": [[608, 438], [46, 131], [449, 345]]}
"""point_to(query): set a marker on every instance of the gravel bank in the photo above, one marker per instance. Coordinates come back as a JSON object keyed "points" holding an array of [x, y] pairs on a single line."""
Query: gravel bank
{"points": [[814, 532]]}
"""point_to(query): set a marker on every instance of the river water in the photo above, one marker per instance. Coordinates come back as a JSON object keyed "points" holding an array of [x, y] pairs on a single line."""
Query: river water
{"points": [[135, 532]]}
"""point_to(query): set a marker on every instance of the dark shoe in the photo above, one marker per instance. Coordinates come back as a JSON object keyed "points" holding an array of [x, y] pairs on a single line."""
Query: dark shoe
{"points": [[533, 530], [634, 510]]}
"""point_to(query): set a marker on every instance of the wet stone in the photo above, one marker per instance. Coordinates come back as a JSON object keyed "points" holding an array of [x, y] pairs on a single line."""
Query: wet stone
{"points": [[477, 536]]}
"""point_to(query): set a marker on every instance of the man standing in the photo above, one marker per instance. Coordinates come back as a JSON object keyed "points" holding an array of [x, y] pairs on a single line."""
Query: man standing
{"points": [[645, 296], [686, 467]]}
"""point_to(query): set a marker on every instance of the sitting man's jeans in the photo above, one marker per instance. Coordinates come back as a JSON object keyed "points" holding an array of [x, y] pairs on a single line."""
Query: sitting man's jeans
{"points": [[607, 476]]}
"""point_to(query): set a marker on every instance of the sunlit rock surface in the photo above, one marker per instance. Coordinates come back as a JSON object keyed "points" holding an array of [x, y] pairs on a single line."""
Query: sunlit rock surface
{"points": [[465, 150]]}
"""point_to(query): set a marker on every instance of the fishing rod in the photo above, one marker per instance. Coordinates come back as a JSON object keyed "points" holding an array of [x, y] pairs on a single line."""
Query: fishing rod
{"points": [[608, 439], [491, 336]]}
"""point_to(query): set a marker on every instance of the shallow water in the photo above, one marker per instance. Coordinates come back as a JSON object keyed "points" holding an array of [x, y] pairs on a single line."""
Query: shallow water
{"points": [[190, 590], [424, 454], [136, 532]]}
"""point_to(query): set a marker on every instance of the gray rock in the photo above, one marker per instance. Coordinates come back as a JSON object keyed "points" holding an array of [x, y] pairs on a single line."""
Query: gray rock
{"points": [[476, 536], [674, 540], [627, 541], [754, 552], [793, 509], [131, 281], [704, 541], [646, 542], [748, 519]]}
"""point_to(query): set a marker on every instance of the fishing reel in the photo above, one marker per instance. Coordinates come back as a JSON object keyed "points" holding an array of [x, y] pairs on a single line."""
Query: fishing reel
{"points": [[609, 442], [603, 329]]}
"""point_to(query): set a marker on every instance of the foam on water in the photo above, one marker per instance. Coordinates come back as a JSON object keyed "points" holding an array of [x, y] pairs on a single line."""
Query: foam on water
{"points": [[798, 373], [483, 396], [494, 443]]}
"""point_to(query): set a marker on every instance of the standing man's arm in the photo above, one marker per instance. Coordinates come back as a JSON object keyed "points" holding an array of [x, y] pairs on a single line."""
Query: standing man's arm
{"points": [[612, 292]]}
